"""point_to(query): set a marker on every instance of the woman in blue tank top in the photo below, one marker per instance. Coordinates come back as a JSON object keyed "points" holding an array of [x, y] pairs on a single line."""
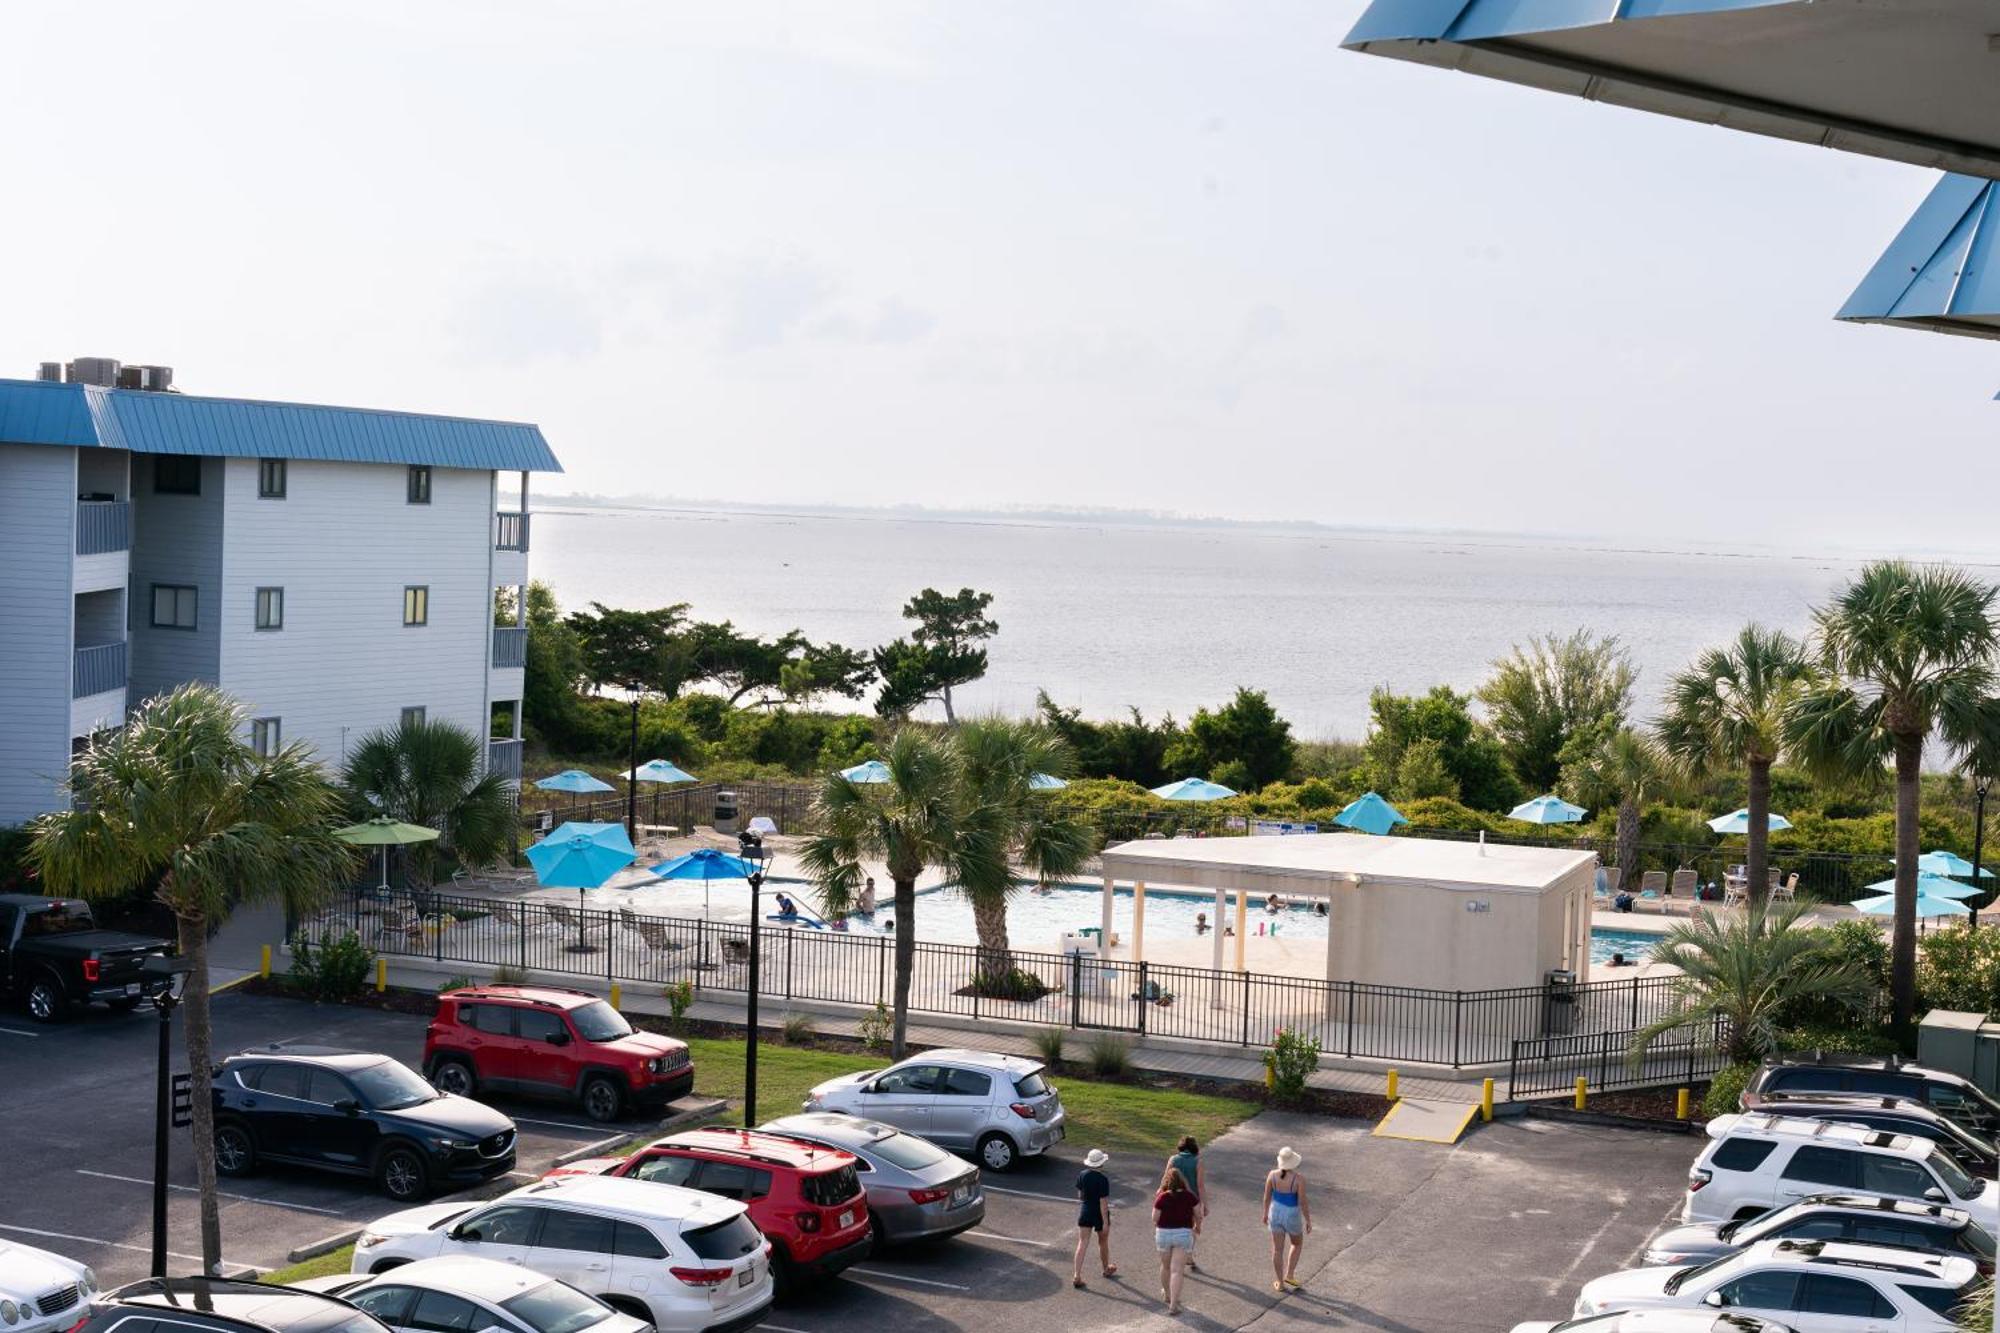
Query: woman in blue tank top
{"points": [[1289, 1217]]}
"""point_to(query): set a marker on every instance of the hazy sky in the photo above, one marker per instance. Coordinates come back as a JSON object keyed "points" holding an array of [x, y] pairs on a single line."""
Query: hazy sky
{"points": [[1184, 256]]}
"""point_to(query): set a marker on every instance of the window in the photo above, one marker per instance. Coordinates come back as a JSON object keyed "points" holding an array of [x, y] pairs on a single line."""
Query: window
{"points": [[1761, 1291], [914, 1079], [1895, 1177], [1913, 1235], [270, 478], [270, 608], [388, 1304], [564, 1230], [1941, 1300], [635, 1242], [666, 1170], [556, 1308], [417, 605], [326, 1087], [1830, 1295], [176, 474], [264, 735], [538, 1025], [510, 1224], [439, 1312], [1806, 1080], [725, 1241], [1825, 1227], [967, 1083], [1824, 1166], [279, 1080], [420, 486], [1031, 1085], [733, 1180], [493, 1019], [413, 717], [174, 606], [1741, 1154]]}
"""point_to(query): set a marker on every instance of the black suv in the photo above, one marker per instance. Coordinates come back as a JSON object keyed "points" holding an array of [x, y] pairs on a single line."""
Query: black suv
{"points": [[223, 1307], [358, 1114], [1947, 1094], [1972, 1151]]}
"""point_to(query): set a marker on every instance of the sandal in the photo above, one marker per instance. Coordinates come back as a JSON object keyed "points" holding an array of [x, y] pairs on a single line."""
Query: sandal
{"points": [[1111, 1271], [1278, 1287], [1076, 1282]]}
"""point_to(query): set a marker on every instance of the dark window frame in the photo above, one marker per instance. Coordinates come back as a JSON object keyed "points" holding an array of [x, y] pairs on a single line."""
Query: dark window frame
{"points": [[176, 474], [194, 607], [417, 486], [269, 599], [272, 476], [267, 735], [417, 601], [405, 718]]}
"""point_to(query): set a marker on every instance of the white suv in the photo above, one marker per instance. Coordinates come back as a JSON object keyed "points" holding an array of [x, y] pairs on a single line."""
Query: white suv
{"points": [[1657, 1321], [997, 1108], [1815, 1286], [684, 1261], [1757, 1162]]}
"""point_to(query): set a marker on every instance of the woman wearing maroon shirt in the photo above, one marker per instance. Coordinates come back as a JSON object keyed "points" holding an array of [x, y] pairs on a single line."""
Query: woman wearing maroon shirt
{"points": [[1173, 1222]]}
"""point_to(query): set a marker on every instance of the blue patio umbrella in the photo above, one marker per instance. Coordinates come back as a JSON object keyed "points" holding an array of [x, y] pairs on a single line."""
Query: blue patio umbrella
{"points": [[705, 864], [1370, 814], [1046, 782], [1939, 862], [1738, 821], [1930, 886], [656, 770], [1193, 789], [872, 771], [1547, 810], [574, 781], [1926, 906], [581, 856]]}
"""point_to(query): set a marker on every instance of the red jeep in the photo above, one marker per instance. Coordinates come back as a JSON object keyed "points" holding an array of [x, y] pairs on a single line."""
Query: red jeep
{"points": [[807, 1200], [551, 1042]]}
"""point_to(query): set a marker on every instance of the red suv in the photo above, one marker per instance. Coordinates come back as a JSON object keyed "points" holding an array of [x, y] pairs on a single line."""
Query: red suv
{"points": [[551, 1042], [807, 1200]]}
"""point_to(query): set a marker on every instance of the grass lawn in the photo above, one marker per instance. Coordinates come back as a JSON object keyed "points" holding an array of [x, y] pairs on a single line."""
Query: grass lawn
{"points": [[334, 1261]]}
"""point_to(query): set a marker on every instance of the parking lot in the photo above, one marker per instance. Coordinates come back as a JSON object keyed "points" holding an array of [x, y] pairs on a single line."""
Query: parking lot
{"points": [[1409, 1238]]}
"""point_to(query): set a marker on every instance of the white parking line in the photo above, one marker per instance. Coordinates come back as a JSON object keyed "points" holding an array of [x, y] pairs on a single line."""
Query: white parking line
{"points": [[1017, 1240], [1030, 1194], [559, 1124], [224, 1194], [898, 1277], [92, 1240], [17, 1032]]}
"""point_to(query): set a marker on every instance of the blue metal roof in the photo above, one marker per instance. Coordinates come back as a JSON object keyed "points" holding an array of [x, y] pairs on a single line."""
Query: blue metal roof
{"points": [[38, 412], [1941, 272]]}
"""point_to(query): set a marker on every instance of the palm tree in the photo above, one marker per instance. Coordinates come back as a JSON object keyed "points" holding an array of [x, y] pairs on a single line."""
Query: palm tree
{"points": [[180, 801], [1004, 821], [1908, 651], [429, 773], [1746, 971], [1623, 767], [909, 823], [1729, 708]]}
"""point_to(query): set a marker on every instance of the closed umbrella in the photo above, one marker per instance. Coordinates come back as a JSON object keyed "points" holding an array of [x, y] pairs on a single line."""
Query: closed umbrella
{"points": [[385, 833], [1926, 906], [1369, 813], [1547, 810], [1193, 789], [581, 856], [1934, 886], [872, 771], [1738, 821], [705, 864]]}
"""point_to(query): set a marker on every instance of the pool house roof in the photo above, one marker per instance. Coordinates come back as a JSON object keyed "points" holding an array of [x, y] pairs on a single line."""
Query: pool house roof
{"points": [[1311, 864]]}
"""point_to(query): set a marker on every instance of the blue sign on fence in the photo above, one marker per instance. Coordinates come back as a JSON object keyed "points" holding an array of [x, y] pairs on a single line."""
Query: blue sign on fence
{"points": [[1268, 828]]}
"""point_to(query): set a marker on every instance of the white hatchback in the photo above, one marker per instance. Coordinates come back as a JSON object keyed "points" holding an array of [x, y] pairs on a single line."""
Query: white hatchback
{"points": [[995, 1109], [684, 1261]]}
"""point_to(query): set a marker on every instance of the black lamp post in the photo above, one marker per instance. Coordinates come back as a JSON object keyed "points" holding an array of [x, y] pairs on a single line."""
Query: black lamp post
{"points": [[166, 977], [750, 1050], [632, 780], [1979, 786]]}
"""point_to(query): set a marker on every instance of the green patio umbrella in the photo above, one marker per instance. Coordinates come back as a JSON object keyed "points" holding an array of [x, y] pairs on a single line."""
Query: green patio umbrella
{"points": [[385, 833]]}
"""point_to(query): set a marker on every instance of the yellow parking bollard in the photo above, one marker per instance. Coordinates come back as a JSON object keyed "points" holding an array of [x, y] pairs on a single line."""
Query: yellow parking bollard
{"points": [[616, 995], [1486, 1100], [1582, 1092], [1681, 1105], [1392, 1085], [264, 970], [381, 974]]}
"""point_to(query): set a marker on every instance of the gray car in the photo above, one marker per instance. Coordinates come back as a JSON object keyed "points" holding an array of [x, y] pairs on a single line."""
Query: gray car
{"points": [[916, 1190], [997, 1108], [1864, 1218]]}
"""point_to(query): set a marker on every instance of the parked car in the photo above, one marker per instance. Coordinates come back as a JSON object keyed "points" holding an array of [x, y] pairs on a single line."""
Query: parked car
{"points": [[463, 1292], [546, 1041], [916, 1190], [684, 1261], [353, 1113], [1868, 1219], [53, 956], [999, 1108], [1756, 1162], [40, 1290], [805, 1198], [1657, 1321], [1946, 1093], [1816, 1286], [217, 1305], [1898, 1115]]}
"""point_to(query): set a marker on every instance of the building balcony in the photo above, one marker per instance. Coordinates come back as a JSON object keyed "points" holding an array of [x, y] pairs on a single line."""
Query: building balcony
{"points": [[510, 646], [510, 531], [503, 758], [103, 526], [98, 669]]}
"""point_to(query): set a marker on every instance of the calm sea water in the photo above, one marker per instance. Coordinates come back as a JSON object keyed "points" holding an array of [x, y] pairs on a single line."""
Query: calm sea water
{"points": [[1107, 616]]}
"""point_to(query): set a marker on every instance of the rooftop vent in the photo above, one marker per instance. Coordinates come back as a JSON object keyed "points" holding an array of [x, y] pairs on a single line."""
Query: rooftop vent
{"points": [[50, 371], [107, 372], [98, 370]]}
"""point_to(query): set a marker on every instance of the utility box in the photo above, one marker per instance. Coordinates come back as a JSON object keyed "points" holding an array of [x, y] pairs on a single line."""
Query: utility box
{"points": [[1961, 1043], [726, 812], [1559, 1002]]}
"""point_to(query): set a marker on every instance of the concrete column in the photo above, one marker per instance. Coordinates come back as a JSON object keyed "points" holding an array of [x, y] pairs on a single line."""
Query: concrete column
{"points": [[1221, 907], [1329, 935], [1242, 925], [1104, 920], [1139, 921]]}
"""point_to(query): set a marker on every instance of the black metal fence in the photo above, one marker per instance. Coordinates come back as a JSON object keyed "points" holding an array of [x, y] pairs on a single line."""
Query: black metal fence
{"points": [[787, 805], [1354, 1019], [1540, 1066]]}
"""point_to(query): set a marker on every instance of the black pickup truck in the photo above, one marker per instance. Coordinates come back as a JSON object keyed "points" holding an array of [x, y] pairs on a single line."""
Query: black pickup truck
{"points": [[52, 955]]}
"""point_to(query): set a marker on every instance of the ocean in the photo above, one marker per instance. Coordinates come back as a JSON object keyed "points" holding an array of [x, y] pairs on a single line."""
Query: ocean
{"points": [[1107, 616]]}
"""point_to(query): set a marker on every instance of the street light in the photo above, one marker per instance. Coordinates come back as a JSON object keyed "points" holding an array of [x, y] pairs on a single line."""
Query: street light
{"points": [[756, 879], [1979, 786], [166, 978]]}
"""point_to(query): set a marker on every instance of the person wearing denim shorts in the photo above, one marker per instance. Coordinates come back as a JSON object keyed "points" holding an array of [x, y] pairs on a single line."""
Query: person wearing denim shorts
{"points": [[1173, 1232], [1289, 1217]]}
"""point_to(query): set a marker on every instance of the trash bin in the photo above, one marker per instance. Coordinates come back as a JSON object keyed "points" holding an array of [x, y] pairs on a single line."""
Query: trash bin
{"points": [[725, 812], [1559, 1002]]}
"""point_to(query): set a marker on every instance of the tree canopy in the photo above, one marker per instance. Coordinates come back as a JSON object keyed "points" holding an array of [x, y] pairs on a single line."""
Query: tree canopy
{"points": [[1541, 695], [941, 654], [1244, 740], [1467, 754]]}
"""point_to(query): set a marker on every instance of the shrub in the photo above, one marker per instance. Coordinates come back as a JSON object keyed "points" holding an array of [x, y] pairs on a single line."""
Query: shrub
{"points": [[1959, 968], [800, 1030], [1110, 1055], [1725, 1090], [506, 975], [1049, 1044], [457, 981], [1014, 985], [334, 970], [875, 1027], [679, 996], [1293, 1057], [1837, 1037]]}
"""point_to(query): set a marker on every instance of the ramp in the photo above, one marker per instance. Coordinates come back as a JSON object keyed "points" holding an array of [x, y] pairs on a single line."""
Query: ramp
{"points": [[1424, 1121]]}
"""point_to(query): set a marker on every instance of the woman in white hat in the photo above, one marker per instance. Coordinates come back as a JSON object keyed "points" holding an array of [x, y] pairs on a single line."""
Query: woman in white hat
{"points": [[1093, 1215], [1289, 1217]]}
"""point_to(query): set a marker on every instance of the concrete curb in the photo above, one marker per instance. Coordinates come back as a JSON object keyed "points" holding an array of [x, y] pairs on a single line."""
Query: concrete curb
{"points": [[324, 1245], [1538, 1111]]}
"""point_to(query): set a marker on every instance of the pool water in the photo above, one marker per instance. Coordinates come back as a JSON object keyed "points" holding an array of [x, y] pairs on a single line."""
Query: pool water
{"points": [[1636, 945]]}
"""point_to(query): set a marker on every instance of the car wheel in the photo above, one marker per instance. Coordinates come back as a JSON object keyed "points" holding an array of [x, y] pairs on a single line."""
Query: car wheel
{"points": [[783, 1279], [879, 1238], [401, 1175], [454, 1076], [235, 1154], [997, 1152], [45, 1001], [602, 1099], [626, 1305]]}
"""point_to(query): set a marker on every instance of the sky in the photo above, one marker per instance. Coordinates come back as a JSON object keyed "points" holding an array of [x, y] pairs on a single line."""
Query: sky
{"points": [[1176, 256]]}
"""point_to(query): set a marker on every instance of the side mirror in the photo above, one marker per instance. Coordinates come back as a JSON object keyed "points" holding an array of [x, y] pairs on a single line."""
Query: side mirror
{"points": [[1935, 1195], [560, 1037], [1714, 1298], [464, 1233], [347, 1106]]}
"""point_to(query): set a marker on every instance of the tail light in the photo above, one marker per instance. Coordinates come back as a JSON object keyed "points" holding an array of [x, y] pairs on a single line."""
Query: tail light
{"points": [[808, 1220], [92, 969], [1698, 1177], [930, 1196], [703, 1277], [1022, 1109]]}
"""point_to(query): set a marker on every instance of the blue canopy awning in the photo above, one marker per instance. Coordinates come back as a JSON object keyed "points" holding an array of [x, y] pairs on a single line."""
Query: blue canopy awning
{"points": [[1941, 272]]}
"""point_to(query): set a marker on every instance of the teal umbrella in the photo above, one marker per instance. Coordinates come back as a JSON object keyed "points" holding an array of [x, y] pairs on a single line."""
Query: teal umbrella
{"points": [[1046, 782], [1547, 810], [705, 864], [1193, 789], [655, 770], [1933, 886], [1926, 906], [1940, 862], [1370, 814], [581, 856], [871, 772], [573, 780], [1738, 821]]}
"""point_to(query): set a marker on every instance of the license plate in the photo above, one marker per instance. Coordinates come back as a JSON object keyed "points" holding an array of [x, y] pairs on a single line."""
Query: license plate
{"points": [[1059, 1135], [961, 1195], [747, 1276], [847, 1219], [131, 988]]}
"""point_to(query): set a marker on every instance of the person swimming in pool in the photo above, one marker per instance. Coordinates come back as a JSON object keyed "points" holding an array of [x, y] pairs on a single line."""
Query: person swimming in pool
{"points": [[1274, 904], [786, 907], [1201, 923]]}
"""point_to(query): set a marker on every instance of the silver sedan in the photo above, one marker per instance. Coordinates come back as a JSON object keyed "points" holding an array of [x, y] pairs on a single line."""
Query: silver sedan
{"points": [[916, 1190]]}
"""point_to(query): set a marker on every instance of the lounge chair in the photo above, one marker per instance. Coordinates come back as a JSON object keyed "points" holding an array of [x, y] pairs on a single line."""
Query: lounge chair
{"points": [[1686, 887], [1653, 886], [400, 923], [1788, 892], [505, 914], [1608, 880], [563, 916]]}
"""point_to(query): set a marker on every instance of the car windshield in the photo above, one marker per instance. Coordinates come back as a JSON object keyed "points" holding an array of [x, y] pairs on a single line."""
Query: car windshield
{"points": [[1674, 1282], [1953, 1175], [907, 1151], [555, 1308], [598, 1021], [1033, 1085], [389, 1086]]}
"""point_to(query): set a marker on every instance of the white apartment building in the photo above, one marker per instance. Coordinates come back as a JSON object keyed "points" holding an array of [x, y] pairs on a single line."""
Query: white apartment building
{"points": [[333, 568]]}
